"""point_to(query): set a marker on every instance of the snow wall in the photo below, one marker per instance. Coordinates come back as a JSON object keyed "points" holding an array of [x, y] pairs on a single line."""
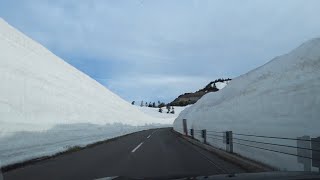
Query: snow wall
{"points": [[280, 98], [47, 105]]}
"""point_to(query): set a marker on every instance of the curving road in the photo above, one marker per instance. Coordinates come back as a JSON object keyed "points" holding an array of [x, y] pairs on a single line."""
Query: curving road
{"points": [[157, 153]]}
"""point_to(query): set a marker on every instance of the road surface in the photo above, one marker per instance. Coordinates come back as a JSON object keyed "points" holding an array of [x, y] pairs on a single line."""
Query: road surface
{"points": [[151, 153]]}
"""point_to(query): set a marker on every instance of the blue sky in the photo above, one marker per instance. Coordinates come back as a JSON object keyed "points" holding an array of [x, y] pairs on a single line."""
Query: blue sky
{"points": [[157, 49]]}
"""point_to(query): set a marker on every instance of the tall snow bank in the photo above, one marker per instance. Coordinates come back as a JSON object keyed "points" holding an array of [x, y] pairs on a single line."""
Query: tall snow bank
{"points": [[40, 92], [280, 98]]}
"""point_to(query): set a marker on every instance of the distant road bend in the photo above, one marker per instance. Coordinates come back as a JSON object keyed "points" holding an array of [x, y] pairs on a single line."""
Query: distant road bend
{"points": [[152, 153]]}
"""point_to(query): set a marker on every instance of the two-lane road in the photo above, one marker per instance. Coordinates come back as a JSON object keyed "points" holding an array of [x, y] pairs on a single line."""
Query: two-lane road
{"points": [[151, 153]]}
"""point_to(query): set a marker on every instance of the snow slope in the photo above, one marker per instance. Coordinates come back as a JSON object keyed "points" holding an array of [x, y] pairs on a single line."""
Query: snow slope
{"points": [[42, 96], [280, 98], [221, 85]]}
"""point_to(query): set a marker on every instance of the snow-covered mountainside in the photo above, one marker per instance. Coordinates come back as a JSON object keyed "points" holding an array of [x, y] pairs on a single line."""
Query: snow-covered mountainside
{"points": [[280, 98], [191, 98], [220, 85], [45, 102]]}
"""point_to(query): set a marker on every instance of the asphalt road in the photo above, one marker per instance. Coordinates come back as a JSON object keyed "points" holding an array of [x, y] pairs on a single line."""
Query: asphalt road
{"points": [[148, 154]]}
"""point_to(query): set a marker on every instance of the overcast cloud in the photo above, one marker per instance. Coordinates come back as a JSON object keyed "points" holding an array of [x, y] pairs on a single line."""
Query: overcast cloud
{"points": [[150, 50]]}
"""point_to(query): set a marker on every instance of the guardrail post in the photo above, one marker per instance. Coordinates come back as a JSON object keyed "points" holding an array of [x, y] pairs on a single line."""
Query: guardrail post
{"points": [[192, 133], [185, 128], [229, 142], [204, 136], [303, 143], [315, 146]]}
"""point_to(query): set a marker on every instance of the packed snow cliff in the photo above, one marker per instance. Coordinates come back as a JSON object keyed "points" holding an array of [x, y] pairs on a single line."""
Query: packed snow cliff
{"points": [[46, 105], [280, 98], [39, 90]]}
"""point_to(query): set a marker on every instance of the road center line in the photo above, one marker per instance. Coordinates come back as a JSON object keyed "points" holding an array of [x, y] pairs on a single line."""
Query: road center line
{"points": [[154, 132], [136, 147], [149, 136]]}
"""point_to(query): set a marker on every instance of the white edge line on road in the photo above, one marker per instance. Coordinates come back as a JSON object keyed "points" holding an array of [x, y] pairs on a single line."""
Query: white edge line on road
{"points": [[149, 136], [137, 147], [208, 159]]}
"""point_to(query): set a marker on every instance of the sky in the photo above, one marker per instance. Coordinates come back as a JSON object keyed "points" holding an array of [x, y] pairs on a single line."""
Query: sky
{"points": [[158, 49]]}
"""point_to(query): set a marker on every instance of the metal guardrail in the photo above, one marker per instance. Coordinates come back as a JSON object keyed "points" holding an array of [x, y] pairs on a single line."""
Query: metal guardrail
{"points": [[273, 137], [308, 149]]}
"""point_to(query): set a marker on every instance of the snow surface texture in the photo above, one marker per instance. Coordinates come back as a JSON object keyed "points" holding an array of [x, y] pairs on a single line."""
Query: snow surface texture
{"points": [[47, 105], [280, 98]]}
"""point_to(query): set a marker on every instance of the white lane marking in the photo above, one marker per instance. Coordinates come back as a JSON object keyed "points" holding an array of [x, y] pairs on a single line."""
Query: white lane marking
{"points": [[137, 147], [149, 136], [154, 132]]}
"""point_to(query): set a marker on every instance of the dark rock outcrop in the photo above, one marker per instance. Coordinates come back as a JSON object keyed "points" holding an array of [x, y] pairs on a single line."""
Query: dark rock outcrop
{"points": [[191, 98]]}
